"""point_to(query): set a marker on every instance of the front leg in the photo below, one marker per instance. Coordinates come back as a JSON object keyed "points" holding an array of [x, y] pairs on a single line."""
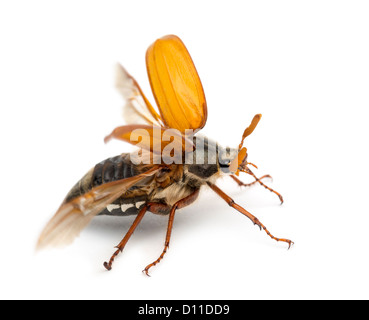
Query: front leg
{"points": [[257, 180], [255, 220], [241, 184]]}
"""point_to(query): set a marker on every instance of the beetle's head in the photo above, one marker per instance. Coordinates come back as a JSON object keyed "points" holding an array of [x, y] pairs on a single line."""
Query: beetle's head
{"points": [[228, 160], [232, 161], [209, 157]]}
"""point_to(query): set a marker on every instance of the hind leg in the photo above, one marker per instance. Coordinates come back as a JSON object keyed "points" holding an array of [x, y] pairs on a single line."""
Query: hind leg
{"points": [[150, 206], [178, 205], [122, 244]]}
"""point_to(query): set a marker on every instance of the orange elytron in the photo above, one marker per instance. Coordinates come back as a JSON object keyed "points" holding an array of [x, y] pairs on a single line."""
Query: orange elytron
{"points": [[171, 164]]}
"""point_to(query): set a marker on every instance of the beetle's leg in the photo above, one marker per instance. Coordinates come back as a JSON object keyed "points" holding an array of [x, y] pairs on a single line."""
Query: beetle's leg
{"points": [[178, 205], [241, 184], [167, 240], [248, 171], [255, 220], [122, 244], [265, 186]]}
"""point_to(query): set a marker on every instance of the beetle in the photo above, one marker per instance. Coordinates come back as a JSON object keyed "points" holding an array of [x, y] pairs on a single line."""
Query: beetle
{"points": [[168, 170]]}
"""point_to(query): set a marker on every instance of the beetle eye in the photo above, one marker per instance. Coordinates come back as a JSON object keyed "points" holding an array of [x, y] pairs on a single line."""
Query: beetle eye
{"points": [[225, 165]]}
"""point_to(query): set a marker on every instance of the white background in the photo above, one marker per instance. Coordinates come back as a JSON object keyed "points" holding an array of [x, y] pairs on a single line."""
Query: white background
{"points": [[302, 64]]}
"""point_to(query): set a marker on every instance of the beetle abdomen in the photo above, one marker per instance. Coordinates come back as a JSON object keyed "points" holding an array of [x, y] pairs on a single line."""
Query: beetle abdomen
{"points": [[111, 169]]}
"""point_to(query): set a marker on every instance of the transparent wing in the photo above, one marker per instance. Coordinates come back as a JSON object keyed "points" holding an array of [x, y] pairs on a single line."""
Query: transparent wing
{"points": [[137, 109], [73, 216]]}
